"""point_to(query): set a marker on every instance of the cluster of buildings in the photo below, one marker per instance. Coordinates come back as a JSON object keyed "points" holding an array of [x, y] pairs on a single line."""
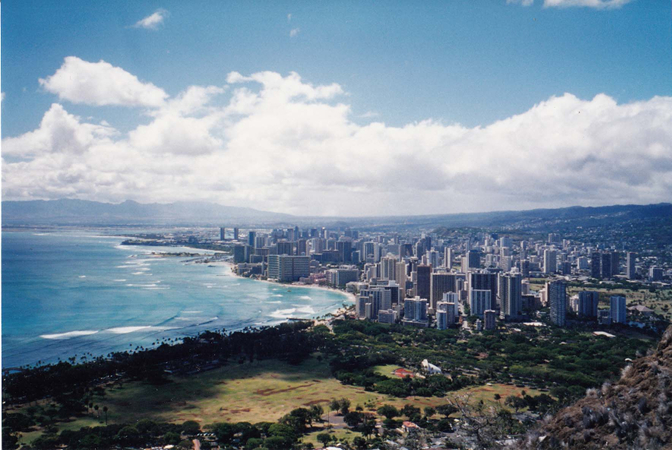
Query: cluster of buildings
{"points": [[428, 280]]}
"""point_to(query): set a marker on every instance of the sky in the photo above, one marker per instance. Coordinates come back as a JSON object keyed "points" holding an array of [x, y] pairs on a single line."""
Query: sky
{"points": [[346, 108]]}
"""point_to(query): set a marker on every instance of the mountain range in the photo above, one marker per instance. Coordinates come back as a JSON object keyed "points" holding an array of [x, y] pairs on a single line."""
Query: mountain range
{"points": [[84, 212]]}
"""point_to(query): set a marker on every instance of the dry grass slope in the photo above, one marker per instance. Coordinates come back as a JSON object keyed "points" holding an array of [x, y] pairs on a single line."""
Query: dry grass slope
{"points": [[633, 413]]}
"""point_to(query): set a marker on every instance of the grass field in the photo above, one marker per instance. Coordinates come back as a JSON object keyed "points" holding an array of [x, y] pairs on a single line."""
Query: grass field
{"points": [[387, 370], [340, 434], [257, 392], [487, 392]]}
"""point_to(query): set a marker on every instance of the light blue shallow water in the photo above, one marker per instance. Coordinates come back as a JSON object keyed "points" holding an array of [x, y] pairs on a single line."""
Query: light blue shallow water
{"points": [[72, 293]]}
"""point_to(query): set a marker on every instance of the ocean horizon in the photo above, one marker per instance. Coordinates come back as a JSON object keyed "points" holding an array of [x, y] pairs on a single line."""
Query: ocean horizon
{"points": [[78, 294]]}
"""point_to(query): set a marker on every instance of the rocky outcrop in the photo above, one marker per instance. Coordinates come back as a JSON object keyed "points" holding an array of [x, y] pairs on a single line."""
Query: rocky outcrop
{"points": [[633, 413]]}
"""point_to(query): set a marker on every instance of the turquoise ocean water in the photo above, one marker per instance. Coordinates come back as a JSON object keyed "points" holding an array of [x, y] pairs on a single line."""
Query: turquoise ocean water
{"points": [[81, 293]]}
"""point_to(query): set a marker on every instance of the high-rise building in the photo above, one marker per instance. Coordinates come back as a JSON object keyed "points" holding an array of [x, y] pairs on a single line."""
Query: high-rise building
{"points": [[239, 254], [344, 248], [606, 270], [588, 302], [485, 281], [505, 242], [440, 284], [557, 300], [553, 238], [401, 276], [656, 274], [509, 291], [525, 267], [550, 261], [251, 238], [604, 264], [342, 276], [442, 320], [448, 258], [631, 270], [301, 247], [360, 305], [286, 268], [424, 280], [490, 319], [235, 234], [479, 301], [285, 248], [387, 316], [615, 264], [433, 258], [415, 310], [617, 309], [222, 233], [472, 260], [450, 309], [452, 299], [596, 265], [388, 267]]}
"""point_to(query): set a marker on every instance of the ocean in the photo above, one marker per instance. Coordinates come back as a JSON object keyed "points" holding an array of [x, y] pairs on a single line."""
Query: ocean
{"points": [[80, 294]]}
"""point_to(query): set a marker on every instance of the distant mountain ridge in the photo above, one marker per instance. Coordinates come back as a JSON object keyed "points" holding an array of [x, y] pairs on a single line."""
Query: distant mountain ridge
{"points": [[84, 212]]}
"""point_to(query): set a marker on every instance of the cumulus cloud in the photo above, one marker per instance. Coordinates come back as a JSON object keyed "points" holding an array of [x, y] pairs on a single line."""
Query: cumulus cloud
{"points": [[294, 32], [280, 143], [596, 4], [101, 83], [153, 21]]}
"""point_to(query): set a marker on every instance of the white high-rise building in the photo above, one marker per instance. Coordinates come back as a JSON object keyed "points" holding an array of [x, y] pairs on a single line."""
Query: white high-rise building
{"points": [[433, 258], [388, 266], [454, 299], [630, 269], [448, 258]]}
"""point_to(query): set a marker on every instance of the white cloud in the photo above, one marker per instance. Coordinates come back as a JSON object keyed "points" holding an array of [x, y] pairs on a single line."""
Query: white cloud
{"points": [[153, 21], [294, 32], [596, 4], [59, 132], [101, 83], [289, 17], [279, 143]]}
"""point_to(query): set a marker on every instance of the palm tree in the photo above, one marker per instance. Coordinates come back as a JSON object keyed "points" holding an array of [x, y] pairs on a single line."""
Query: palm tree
{"points": [[96, 408], [105, 411]]}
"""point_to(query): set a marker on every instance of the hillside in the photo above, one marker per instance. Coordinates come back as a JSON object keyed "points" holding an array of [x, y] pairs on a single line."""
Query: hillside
{"points": [[633, 413], [82, 212]]}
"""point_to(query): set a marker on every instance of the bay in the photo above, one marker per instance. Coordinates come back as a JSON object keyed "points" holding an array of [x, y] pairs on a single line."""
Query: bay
{"points": [[81, 294]]}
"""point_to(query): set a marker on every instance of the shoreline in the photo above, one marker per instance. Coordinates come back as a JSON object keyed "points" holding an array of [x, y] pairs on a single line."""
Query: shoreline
{"points": [[57, 338], [230, 266]]}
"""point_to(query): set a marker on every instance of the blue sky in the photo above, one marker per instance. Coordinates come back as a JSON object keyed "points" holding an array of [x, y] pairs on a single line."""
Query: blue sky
{"points": [[455, 62]]}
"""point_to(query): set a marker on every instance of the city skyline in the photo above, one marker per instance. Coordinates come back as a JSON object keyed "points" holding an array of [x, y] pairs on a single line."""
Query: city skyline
{"points": [[389, 111]]}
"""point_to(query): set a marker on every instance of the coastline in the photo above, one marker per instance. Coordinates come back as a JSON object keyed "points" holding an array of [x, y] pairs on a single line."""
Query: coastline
{"points": [[97, 337], [350, 296]]}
